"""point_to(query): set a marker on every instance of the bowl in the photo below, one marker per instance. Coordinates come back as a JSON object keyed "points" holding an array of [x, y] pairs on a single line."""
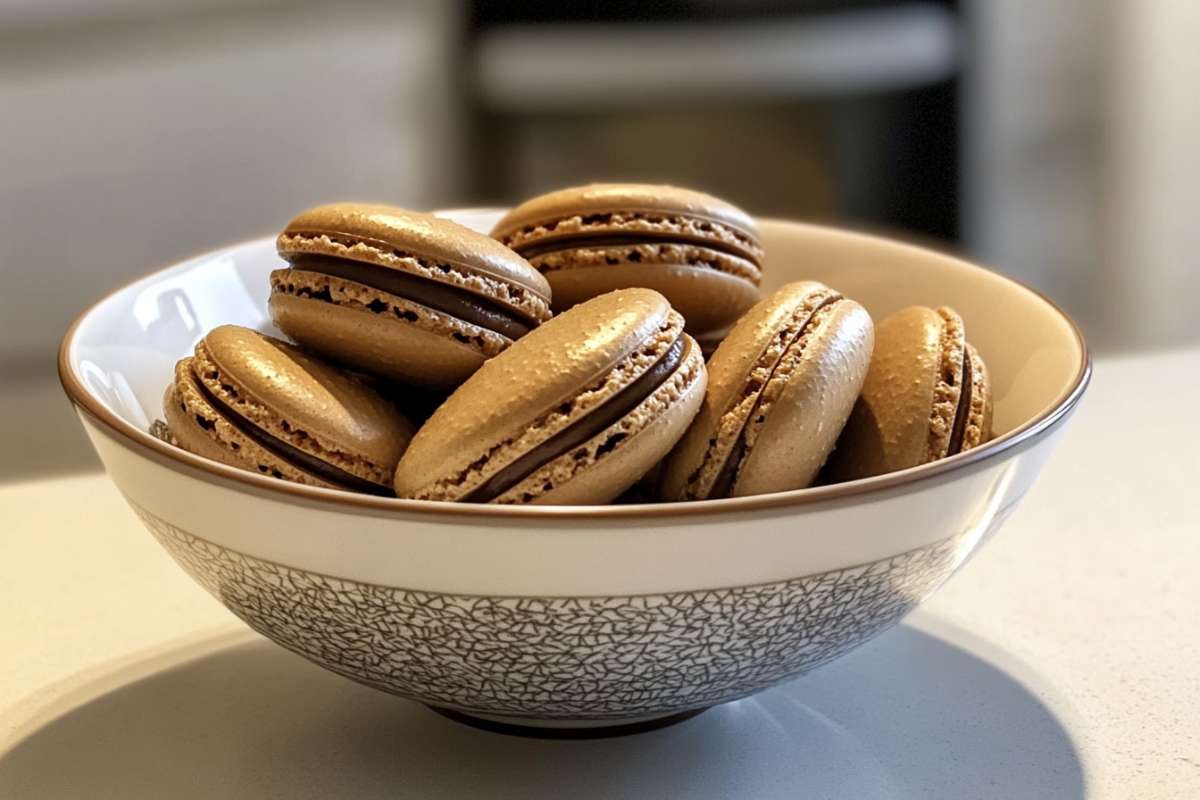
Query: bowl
{"points": [[561, 618]]}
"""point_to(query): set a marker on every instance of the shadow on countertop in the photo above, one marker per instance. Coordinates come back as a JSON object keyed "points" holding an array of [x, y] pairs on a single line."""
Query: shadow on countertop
{"points": [[908, 715]]}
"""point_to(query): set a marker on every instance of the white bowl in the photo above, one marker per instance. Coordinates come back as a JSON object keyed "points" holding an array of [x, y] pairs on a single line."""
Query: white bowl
{"points": [[575, 616]]}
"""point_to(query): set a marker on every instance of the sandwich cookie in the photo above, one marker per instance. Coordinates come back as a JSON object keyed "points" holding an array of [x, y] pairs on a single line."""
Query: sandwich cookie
{"points": [[254, 402], [700, 252], [781, 386], [400, 294], [573, 413], [927, 396]]}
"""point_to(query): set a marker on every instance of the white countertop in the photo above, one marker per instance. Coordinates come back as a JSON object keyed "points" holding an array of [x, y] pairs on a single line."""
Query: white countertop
{"points": [[1063, 661]]}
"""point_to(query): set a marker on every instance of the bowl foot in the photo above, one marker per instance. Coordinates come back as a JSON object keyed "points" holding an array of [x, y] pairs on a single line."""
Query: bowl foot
{"points": [[564, 729]]}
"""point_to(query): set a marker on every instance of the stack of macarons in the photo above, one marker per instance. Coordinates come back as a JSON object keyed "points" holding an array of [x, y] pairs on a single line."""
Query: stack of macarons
{"points": [[562, 360]]}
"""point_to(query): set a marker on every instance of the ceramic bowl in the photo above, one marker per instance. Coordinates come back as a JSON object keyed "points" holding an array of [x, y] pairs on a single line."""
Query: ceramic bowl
{"points": [[575, 616]]}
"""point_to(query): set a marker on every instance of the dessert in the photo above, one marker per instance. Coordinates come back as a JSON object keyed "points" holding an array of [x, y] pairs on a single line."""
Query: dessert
{"points": [[254, 402], [781, 385], [573, 413], [584, 386], [927, 395], [400, 294], [701, 253]]}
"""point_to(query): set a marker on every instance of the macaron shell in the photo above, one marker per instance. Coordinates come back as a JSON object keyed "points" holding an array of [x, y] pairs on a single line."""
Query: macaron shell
{"points": [[302, 400], [218, 439], [497, 408], [539, 219], [803, 424], [426, 352], [423, 235], [648, 433], [707, 298], [890, 427], [743, 353], [741, 349]]}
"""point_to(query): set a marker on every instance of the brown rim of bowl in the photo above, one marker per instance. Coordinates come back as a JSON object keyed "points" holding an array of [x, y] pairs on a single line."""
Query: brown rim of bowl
{"points": [[215, 472]]}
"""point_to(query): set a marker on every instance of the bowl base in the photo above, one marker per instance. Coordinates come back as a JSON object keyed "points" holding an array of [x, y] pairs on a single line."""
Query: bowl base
{"points": [[564, 729]]}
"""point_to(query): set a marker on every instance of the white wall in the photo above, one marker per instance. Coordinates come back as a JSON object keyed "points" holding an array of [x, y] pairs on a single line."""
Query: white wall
{"points": [[1151, 223], [1082, 159], [136, 132], [127, 143], [1033, 100]]}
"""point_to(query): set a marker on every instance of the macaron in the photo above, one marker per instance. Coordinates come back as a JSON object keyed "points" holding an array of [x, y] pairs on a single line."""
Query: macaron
{"points": [[573, 413], [251, 401], [781, 386], [401, 294], [927, 395], [702, 253]]}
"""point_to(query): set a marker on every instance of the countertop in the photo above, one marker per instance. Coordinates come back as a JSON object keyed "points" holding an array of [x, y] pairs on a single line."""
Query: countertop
{"points": [[1063, 661]]}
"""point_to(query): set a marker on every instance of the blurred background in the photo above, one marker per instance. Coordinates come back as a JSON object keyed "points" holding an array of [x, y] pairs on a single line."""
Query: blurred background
{"points": [[1056, 141]]}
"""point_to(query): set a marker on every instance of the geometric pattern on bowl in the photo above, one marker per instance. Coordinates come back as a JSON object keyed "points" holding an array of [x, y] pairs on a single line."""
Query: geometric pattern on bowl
{"points": [[568, 658]]}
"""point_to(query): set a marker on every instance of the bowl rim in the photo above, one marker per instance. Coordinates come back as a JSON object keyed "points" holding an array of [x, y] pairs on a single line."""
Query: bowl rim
{"points": [[336, 499]]}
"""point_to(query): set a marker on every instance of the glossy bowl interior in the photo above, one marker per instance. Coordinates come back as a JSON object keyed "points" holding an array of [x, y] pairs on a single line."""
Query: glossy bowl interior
{"points": [[575, 615]]}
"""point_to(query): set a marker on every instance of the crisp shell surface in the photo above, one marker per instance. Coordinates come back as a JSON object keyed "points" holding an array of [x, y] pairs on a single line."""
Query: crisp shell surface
{"points": [[310, 405], [547, 380], [196, 426], [614, 459], [807, 402], [739, 373], [388, 233], [905, 415]]}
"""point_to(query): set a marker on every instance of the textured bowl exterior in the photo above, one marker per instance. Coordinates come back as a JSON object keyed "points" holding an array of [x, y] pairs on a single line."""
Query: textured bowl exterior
{"points": [[624, 612], [592, 658]]}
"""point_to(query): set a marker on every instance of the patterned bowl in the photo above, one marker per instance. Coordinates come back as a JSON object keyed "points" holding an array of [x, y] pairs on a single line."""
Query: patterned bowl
{"points": [[575, 617]]}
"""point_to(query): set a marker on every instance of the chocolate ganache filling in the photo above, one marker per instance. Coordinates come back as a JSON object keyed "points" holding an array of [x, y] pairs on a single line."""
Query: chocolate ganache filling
{"points": [[456, 302], [963, 412], [574, 435], [621, 239], [287, 452], [723, 485]]}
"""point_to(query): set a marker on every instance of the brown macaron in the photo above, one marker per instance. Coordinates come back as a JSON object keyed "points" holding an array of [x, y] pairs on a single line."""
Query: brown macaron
{"points": [[254, 402], [574, 413], [927, 395], [701, 253], [401, 294], [781, 386]]}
